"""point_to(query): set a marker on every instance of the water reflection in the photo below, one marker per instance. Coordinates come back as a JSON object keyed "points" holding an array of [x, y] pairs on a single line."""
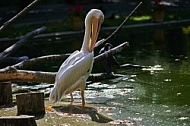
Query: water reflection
{"points": [[177, 46]]}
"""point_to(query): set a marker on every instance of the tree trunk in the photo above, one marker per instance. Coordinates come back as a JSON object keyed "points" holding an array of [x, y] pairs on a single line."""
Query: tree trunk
{"points": [[5, 93], [30, 104], [17, 121]]}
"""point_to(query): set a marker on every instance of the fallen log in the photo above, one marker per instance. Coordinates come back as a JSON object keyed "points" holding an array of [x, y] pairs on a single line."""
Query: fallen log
{"points": [[13, 74], [17, 120], [22, 41]]}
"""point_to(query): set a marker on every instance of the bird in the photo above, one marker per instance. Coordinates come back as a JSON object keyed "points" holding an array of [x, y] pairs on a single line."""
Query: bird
{"points": [[75, 70], [108, 62]]}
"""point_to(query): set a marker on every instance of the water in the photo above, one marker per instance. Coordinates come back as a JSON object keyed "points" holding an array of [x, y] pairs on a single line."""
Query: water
{"points": [[156, 96]]}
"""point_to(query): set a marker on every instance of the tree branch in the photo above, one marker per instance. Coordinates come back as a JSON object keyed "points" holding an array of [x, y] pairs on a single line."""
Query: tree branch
{"points": [[21, 13], [119, 27], [22, 41], [111, 51], [9, 61], [26, 63], [13, 74]]}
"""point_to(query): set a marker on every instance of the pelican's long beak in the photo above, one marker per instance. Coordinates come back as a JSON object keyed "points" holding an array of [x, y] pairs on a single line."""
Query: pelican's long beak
{"points": [[96, 24]]}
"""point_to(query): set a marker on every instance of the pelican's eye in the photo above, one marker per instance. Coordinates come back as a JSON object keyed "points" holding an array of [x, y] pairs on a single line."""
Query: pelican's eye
{"points": [[101, 20], [88, 70]]}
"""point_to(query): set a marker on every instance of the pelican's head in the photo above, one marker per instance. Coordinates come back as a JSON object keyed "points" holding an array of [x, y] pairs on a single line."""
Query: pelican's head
{"points": [[93, 22]]}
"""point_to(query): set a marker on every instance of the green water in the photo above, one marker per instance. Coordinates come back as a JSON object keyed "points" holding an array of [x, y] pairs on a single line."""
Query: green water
{"points": [[153, 97], [158, 96]]}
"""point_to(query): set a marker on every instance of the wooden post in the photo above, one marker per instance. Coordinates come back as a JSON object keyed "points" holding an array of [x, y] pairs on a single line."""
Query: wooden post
{"points": [[23, 120], [5, 93], [30, 104]]}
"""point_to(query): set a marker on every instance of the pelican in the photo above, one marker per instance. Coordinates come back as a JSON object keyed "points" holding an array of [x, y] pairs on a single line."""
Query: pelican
{"points": [[75, 70]]}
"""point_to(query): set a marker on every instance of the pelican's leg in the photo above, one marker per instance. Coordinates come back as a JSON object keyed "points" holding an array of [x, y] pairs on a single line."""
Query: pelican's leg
{"points": [[83, 100], [71, 105], [80, 84], [71, 97]]}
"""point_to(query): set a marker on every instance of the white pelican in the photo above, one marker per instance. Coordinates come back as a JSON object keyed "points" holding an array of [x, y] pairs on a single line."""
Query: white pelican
{"points": [[75, 70]]}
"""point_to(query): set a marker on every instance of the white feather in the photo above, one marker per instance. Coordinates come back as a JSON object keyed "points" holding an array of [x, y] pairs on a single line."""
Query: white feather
{"points": [[75, 70]]}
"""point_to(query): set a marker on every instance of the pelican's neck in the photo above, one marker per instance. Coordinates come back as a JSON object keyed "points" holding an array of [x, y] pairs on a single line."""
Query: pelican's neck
{"points": [[87, 38]]}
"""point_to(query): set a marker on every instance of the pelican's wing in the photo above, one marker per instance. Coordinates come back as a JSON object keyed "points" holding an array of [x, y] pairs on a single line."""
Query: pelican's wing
{"points": [[81, 65], [68, 61], [71, 77]]}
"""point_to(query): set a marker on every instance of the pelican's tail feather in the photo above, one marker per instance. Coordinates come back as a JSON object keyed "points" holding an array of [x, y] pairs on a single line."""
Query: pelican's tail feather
{"points": [[54, 95]]}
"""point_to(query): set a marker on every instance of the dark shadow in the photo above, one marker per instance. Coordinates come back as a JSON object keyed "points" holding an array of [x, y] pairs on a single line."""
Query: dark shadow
{"points": [[13, 104], [92, 112], [36, 115], [177, 47], [8, 105]]}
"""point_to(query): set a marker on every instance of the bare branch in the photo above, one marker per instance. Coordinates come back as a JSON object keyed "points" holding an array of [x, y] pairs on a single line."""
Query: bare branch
{"points": [[111, 51], [26, 63], [21, 13], [18, 44], [9, 61], [13, 74], [119, 27]]}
